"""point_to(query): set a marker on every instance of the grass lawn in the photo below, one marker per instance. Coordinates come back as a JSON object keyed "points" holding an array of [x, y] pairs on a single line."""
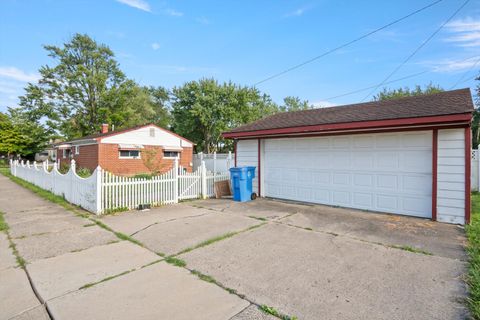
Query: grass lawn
{"points": [[473, 250]]}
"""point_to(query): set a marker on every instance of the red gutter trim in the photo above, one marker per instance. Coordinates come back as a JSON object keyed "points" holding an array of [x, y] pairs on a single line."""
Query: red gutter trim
{"points": [[354, 125], [434, 173], [468, 163], [259, 170]]}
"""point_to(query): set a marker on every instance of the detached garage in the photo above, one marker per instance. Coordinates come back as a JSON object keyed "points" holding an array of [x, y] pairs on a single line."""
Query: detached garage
{"points": [[408, 156]]}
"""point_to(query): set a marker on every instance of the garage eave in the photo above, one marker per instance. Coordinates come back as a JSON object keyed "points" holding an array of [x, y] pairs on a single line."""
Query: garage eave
{"points": [[455, 119]]}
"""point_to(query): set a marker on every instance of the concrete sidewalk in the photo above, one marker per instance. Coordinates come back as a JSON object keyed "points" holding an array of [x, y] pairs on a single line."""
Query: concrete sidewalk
{"points": [[78, 270]]}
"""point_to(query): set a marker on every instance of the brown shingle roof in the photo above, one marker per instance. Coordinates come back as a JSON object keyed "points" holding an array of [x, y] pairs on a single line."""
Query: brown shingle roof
{"points": [[443, 103]]}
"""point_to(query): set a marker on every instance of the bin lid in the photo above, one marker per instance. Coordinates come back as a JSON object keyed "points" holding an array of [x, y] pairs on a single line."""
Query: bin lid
{"points": [[244, 168]]}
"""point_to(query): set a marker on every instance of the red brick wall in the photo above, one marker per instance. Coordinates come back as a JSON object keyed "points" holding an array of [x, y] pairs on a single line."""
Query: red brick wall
{"points": [[87, 158], [110, 161]]}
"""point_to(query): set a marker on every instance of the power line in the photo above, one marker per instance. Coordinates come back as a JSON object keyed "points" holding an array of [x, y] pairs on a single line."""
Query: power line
{"points": [[276, 75], [393, 81], [417, 49], [464, 74]]}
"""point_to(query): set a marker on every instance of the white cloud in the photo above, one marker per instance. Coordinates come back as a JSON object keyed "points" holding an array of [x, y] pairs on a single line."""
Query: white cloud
{"points": [[203, 20], [173, 13], [451, 65], [465, 32], [155, 46], [18, 75], [323, 104], [298, 12], [137, 4]]}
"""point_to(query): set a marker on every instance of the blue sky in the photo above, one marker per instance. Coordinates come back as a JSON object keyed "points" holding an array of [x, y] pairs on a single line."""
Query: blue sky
{"points": [[170, 42]]}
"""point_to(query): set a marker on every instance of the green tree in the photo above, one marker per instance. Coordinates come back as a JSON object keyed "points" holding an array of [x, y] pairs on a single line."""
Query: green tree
{"points": [[21, 136], [294, 104], [85, 88], [388, 93], [202, 110]]}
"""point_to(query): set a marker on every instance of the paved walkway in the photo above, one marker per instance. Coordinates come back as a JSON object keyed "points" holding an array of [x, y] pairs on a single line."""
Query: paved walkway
{"points": [[313, 262], [75, 269]]}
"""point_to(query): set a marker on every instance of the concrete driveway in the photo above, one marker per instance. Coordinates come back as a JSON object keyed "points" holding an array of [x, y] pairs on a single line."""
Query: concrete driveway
{"points": [[224, 259]]}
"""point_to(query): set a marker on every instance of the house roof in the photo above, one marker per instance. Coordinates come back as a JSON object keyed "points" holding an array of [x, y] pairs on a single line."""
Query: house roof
{"points": [[432, 105], [99, 135]]}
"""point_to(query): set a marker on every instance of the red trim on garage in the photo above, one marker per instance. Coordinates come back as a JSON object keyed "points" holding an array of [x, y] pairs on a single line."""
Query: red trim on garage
{"points": [[235, 151], [354, 125], [468, 163], [326, 134], [434, 173], [259, 169]]}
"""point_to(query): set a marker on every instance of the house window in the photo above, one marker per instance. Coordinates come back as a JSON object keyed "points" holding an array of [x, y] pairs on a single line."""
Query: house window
{"points": [[171, 154], [66, 153], [77, 150], [152, 132], [129, 154]]}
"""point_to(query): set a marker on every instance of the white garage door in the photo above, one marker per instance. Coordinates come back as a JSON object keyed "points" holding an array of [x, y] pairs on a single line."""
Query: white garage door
{"points": [[386, 172]]}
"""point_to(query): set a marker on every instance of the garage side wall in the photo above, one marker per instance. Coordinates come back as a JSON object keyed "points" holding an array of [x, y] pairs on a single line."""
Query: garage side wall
{"points": [[451, 176], [247, 155]]}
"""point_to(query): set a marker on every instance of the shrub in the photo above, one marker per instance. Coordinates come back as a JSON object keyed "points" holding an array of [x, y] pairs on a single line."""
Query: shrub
{"points": [[64, 167], [84, 172], [143, 176]]}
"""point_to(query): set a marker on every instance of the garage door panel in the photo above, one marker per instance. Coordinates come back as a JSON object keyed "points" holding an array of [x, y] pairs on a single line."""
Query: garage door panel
{"points": [[386, 140], [322, 195], [379, 172], [363, 160], [363, 200], [387, 181], [387, 202], [363, 180], [341, 198], [418, 206], [387, 161], [417, 140], [416, 183]]}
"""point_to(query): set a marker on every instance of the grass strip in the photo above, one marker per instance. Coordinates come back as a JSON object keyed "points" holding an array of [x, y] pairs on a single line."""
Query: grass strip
{"points": [[88, 285], [218, 238], [473, 251], [411, 249], [272, 311]]}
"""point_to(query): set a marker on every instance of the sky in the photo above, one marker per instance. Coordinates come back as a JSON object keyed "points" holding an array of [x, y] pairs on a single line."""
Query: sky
{"points": [[168, 43]]}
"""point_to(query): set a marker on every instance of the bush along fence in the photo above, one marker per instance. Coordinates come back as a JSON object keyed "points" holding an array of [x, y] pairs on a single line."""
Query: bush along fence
{"points": [[103, 192]]}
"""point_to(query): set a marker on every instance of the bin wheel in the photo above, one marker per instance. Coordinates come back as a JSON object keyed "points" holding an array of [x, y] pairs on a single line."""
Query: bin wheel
{"points": [[253, 196]]}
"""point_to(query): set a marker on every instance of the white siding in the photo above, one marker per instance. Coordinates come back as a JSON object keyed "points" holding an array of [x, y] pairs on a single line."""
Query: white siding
{"points": [[451, 176], [247, 155], [142, 136]]}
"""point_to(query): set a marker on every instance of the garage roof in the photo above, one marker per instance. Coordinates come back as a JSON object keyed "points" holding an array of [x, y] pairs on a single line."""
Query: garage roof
{"points": [[445, 103]]}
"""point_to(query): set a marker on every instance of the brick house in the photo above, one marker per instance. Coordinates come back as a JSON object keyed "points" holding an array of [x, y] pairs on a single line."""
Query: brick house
{"points": [[141, 149]]}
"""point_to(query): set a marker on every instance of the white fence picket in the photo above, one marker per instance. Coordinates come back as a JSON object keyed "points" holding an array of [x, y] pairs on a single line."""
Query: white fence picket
{"points": [[103, 192]]}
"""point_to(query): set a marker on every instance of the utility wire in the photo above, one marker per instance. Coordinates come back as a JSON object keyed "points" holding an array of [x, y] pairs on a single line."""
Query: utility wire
{"points": [[417, 50], [276, 75], [464, 74], [393, 81]]}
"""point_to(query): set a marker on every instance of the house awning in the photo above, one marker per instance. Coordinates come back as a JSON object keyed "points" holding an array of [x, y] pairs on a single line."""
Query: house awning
{"points": [[172, 148], [130, 146], [64, 146]]}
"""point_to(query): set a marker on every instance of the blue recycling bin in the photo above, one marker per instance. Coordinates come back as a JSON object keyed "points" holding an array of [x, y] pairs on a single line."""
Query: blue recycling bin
{"points": [[241, 180]]}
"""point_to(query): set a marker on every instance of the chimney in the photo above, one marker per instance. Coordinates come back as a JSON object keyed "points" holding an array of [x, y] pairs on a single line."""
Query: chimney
{"points": [[105, 128]]}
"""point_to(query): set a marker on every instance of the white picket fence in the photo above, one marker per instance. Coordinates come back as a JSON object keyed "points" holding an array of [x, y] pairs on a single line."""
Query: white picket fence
{"points": [[104, 192], [475, 172], [215, 162]]}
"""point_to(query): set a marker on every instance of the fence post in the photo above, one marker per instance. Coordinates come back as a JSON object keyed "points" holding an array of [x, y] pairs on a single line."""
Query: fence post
{"points": [[229, 160], [98, 190], [203, 173], [176, 183], [478, 169]]}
